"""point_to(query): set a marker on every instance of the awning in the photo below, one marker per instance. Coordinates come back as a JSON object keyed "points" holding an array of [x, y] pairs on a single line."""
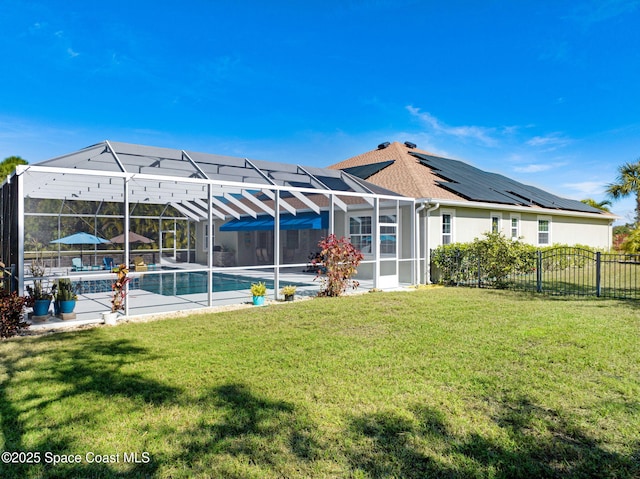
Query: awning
{"points": [[301, 221]]}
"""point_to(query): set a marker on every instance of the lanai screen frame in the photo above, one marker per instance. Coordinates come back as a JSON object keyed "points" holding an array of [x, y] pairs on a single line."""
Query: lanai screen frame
{"points": [[200, 186]]}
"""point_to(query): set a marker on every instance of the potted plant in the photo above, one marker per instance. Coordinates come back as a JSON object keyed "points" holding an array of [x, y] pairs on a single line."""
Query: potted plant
{"points": [[288, 292], [66, 296], [119, 288], [40, 296], [259, 291]]}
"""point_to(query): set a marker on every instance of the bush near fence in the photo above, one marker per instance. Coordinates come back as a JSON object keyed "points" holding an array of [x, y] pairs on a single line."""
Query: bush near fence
{"points": [[495, 260], [491, 260]]}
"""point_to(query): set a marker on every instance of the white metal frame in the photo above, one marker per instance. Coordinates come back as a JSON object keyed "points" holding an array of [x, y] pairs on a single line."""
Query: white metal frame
{"points": [[202, 198]]}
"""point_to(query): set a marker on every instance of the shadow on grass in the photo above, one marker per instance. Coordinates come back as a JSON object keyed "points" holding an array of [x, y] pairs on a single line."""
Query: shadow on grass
{"points": [[92, 366], [253, 434], [388, 445], [532, 442]]}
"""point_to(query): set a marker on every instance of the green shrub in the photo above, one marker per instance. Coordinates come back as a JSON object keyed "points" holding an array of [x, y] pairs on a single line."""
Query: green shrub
{"points": [[456, 263], [491, 259], [501, 257]]}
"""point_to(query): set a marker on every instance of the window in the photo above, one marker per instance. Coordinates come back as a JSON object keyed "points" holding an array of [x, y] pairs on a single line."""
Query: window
{"points": [[388, 234], [495, 222], [515, 227], [447, 230], [544, 231], [360, 232], [388, 239]]}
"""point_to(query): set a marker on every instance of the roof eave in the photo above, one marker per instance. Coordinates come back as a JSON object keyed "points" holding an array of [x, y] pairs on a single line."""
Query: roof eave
{"points": [[519, 208]]}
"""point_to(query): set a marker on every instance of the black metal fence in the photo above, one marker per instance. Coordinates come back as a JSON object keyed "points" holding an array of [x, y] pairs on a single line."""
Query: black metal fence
{"points": [[556, 271]]}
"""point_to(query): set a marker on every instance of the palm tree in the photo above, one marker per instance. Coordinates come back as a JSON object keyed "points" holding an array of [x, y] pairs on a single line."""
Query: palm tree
{"points": [[627, 183], [601, 205]]}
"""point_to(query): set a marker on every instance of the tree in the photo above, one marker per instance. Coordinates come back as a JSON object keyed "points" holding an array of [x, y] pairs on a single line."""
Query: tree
{"points": [[602, 205], [631, 243], [627, 183], [9, 164]]}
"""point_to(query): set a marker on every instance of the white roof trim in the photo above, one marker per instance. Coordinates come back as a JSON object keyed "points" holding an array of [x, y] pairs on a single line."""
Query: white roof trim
{"points": [[520, 209]]}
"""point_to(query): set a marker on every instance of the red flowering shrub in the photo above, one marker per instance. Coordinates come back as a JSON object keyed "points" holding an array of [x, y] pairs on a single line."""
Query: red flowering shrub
{"points": [[119, 288], [337, 262], [11, 314]]}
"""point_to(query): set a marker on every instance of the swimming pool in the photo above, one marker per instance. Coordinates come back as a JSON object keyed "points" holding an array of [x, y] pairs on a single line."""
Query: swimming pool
{"points": [[183, 282], [179, 283]]}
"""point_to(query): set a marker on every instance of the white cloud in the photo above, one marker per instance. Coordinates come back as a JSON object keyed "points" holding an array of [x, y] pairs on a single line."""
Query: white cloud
{"points": [[550, 142], [586, 189], [478, 133], [72, 53], [533, 168]]}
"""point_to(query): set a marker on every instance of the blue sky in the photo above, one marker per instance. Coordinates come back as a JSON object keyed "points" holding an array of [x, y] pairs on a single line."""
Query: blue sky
{"points": [[545, 92]]}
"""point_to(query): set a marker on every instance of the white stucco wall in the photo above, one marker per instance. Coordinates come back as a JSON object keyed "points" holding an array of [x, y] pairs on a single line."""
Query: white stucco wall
{"points": [[471, 223]]}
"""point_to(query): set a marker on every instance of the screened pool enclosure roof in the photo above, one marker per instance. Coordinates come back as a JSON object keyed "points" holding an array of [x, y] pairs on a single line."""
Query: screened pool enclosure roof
{"points": [[120, 158], [181, 178]]}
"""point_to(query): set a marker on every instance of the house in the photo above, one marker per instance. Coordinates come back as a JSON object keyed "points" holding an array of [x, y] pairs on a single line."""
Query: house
{"points": [[456, 202], [217, 223]]}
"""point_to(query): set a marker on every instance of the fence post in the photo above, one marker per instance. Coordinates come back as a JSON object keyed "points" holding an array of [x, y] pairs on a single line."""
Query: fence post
{"points": [[598, 274], [539, 271]]}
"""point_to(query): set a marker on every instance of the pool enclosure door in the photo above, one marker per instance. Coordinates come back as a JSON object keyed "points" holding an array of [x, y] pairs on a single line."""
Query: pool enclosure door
{"points": [[388, 247]]}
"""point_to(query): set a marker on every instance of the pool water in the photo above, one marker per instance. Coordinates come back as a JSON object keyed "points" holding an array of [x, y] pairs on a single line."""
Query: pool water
{"points": [[180, 283]]}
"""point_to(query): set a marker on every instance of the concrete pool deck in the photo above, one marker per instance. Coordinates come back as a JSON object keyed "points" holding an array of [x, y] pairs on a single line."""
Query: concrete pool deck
{"points": [[144, 304]]}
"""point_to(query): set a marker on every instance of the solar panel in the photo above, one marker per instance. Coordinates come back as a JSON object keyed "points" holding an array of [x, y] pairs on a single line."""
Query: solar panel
{"points": [[473, 193], [477, 185], [365, 171], [336, 184]]}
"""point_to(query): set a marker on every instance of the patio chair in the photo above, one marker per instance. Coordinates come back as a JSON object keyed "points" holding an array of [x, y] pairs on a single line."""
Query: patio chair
{"points": [[107, 263], [76, 265], [139, 264]]}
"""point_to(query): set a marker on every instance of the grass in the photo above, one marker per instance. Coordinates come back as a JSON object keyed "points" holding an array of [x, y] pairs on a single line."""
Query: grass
{"points": [[440, 382]]}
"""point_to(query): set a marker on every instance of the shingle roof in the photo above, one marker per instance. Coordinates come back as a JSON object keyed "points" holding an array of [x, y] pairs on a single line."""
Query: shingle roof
{"points": [[406, 175], [420, 174]]}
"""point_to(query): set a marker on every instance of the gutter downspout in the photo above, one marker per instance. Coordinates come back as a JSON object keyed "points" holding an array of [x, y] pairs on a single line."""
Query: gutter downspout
{"points": [[417, 241], [427, 251]]}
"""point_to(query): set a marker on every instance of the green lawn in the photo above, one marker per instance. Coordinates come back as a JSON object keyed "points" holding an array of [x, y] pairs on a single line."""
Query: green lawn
{"points": [[441, 382]]}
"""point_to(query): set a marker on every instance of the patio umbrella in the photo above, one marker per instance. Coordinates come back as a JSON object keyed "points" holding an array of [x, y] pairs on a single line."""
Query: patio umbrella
{"points": [[81, 239], [133, 238]]}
